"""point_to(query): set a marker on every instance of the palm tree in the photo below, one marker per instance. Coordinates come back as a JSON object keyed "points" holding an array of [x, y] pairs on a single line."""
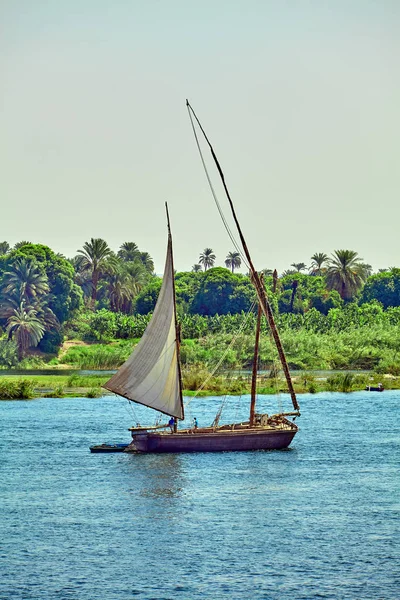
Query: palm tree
{"points": [[120, 292], [317, 260], [368, 269], [346, 273], [24, 304], [9, 304], [124, 283], [146, 261], [299, 266], [128, 252], [295, 285], [267, 272], [95, 259], [24, 281], [207, 258], [4, 247], [19, 245], [233, 261], [138, 274], [196, 268], [25, 328], [82, 277]]}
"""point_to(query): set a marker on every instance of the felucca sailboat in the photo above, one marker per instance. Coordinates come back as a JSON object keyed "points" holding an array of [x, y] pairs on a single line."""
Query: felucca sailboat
{"points": [[152, 376]]}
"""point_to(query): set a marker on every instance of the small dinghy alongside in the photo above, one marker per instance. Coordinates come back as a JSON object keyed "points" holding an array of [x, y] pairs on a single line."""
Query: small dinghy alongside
{"points": [[378, 388], [108, 448]]}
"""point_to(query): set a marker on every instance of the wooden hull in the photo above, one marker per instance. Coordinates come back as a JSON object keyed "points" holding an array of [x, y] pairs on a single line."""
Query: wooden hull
{"points": [[209, 441]]}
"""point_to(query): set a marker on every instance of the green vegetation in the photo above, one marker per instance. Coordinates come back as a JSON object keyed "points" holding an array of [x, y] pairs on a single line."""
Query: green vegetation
{"points": [[16, 389], [37, 294], [233, 261], [8, 354], [48, 386], [384, 287], [98, 356], [88, 312], [346, 273], [207, 258], [197, 380], [25, 327]]}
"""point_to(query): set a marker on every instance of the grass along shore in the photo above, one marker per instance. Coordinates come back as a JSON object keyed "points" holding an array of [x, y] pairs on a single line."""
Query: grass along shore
{"points": [[14, 387], [374, 349]]}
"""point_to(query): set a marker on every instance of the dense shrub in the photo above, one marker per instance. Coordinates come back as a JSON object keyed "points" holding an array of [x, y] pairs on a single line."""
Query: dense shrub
{"points": [[383, 287], [8, 353], [147, 298], [342, 382], [102, 325], [51, 341], [129, 327], [65, 296], [388, 365], [16, 389], [105, 325], [97, 356], [222, 292]]}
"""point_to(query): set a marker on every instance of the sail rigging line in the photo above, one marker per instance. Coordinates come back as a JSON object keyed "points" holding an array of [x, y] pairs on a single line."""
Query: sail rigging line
{"points": [[129, 407], [234, 338], [266, 307], [225, 222], [177, 326], [255, 368], [275, 369], [133, 414]]}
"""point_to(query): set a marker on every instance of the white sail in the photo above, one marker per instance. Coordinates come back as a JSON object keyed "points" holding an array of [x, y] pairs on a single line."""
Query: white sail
{"points": [[151, 374]]}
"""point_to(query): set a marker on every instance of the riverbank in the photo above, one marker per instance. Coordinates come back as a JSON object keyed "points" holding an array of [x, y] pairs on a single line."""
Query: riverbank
{"points": [[373, 347], [196, 382]]}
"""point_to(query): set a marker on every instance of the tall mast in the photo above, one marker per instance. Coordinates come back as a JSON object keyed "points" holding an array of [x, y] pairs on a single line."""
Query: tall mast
{"points": [[255, 369], [177, 326], [265, 306]]}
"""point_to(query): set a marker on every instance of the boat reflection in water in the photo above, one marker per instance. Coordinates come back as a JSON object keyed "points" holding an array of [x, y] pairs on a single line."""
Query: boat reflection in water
{"points": [[157, 476]]}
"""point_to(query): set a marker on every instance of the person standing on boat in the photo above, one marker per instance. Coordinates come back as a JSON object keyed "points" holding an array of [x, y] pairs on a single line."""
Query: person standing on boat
{"points": [[171, 424], [195, 424]]}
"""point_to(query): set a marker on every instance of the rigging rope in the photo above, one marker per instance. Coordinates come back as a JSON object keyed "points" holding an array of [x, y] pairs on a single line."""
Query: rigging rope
{"points": [[225, 222], [265, 305], [130, 410], [275, 368], [223, 356]]}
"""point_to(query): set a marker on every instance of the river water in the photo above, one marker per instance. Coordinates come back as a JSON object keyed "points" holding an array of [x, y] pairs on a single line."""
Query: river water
{"points": [[319, 520]]}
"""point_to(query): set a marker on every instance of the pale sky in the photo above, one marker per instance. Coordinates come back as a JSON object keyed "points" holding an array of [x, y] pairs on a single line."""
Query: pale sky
{"points": [[300, 99]]}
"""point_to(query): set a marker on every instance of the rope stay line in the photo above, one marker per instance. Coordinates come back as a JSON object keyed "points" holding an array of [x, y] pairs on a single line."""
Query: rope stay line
{"points": [[225, 222], [265, 305], [221, 360]]}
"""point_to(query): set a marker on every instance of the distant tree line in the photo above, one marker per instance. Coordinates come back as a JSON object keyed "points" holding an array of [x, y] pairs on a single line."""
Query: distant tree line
{"points": [[43, 293]]}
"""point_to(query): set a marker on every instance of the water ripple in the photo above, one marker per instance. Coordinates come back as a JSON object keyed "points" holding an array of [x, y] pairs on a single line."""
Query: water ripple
{"points": [[317, 521]]}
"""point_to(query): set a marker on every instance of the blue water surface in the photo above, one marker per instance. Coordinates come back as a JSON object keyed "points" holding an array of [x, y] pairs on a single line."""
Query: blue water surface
{"points": [[319, 520]]}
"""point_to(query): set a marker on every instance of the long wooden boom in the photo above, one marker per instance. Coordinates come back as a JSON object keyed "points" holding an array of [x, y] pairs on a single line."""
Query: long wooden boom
{"points": [[265, 306]]}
